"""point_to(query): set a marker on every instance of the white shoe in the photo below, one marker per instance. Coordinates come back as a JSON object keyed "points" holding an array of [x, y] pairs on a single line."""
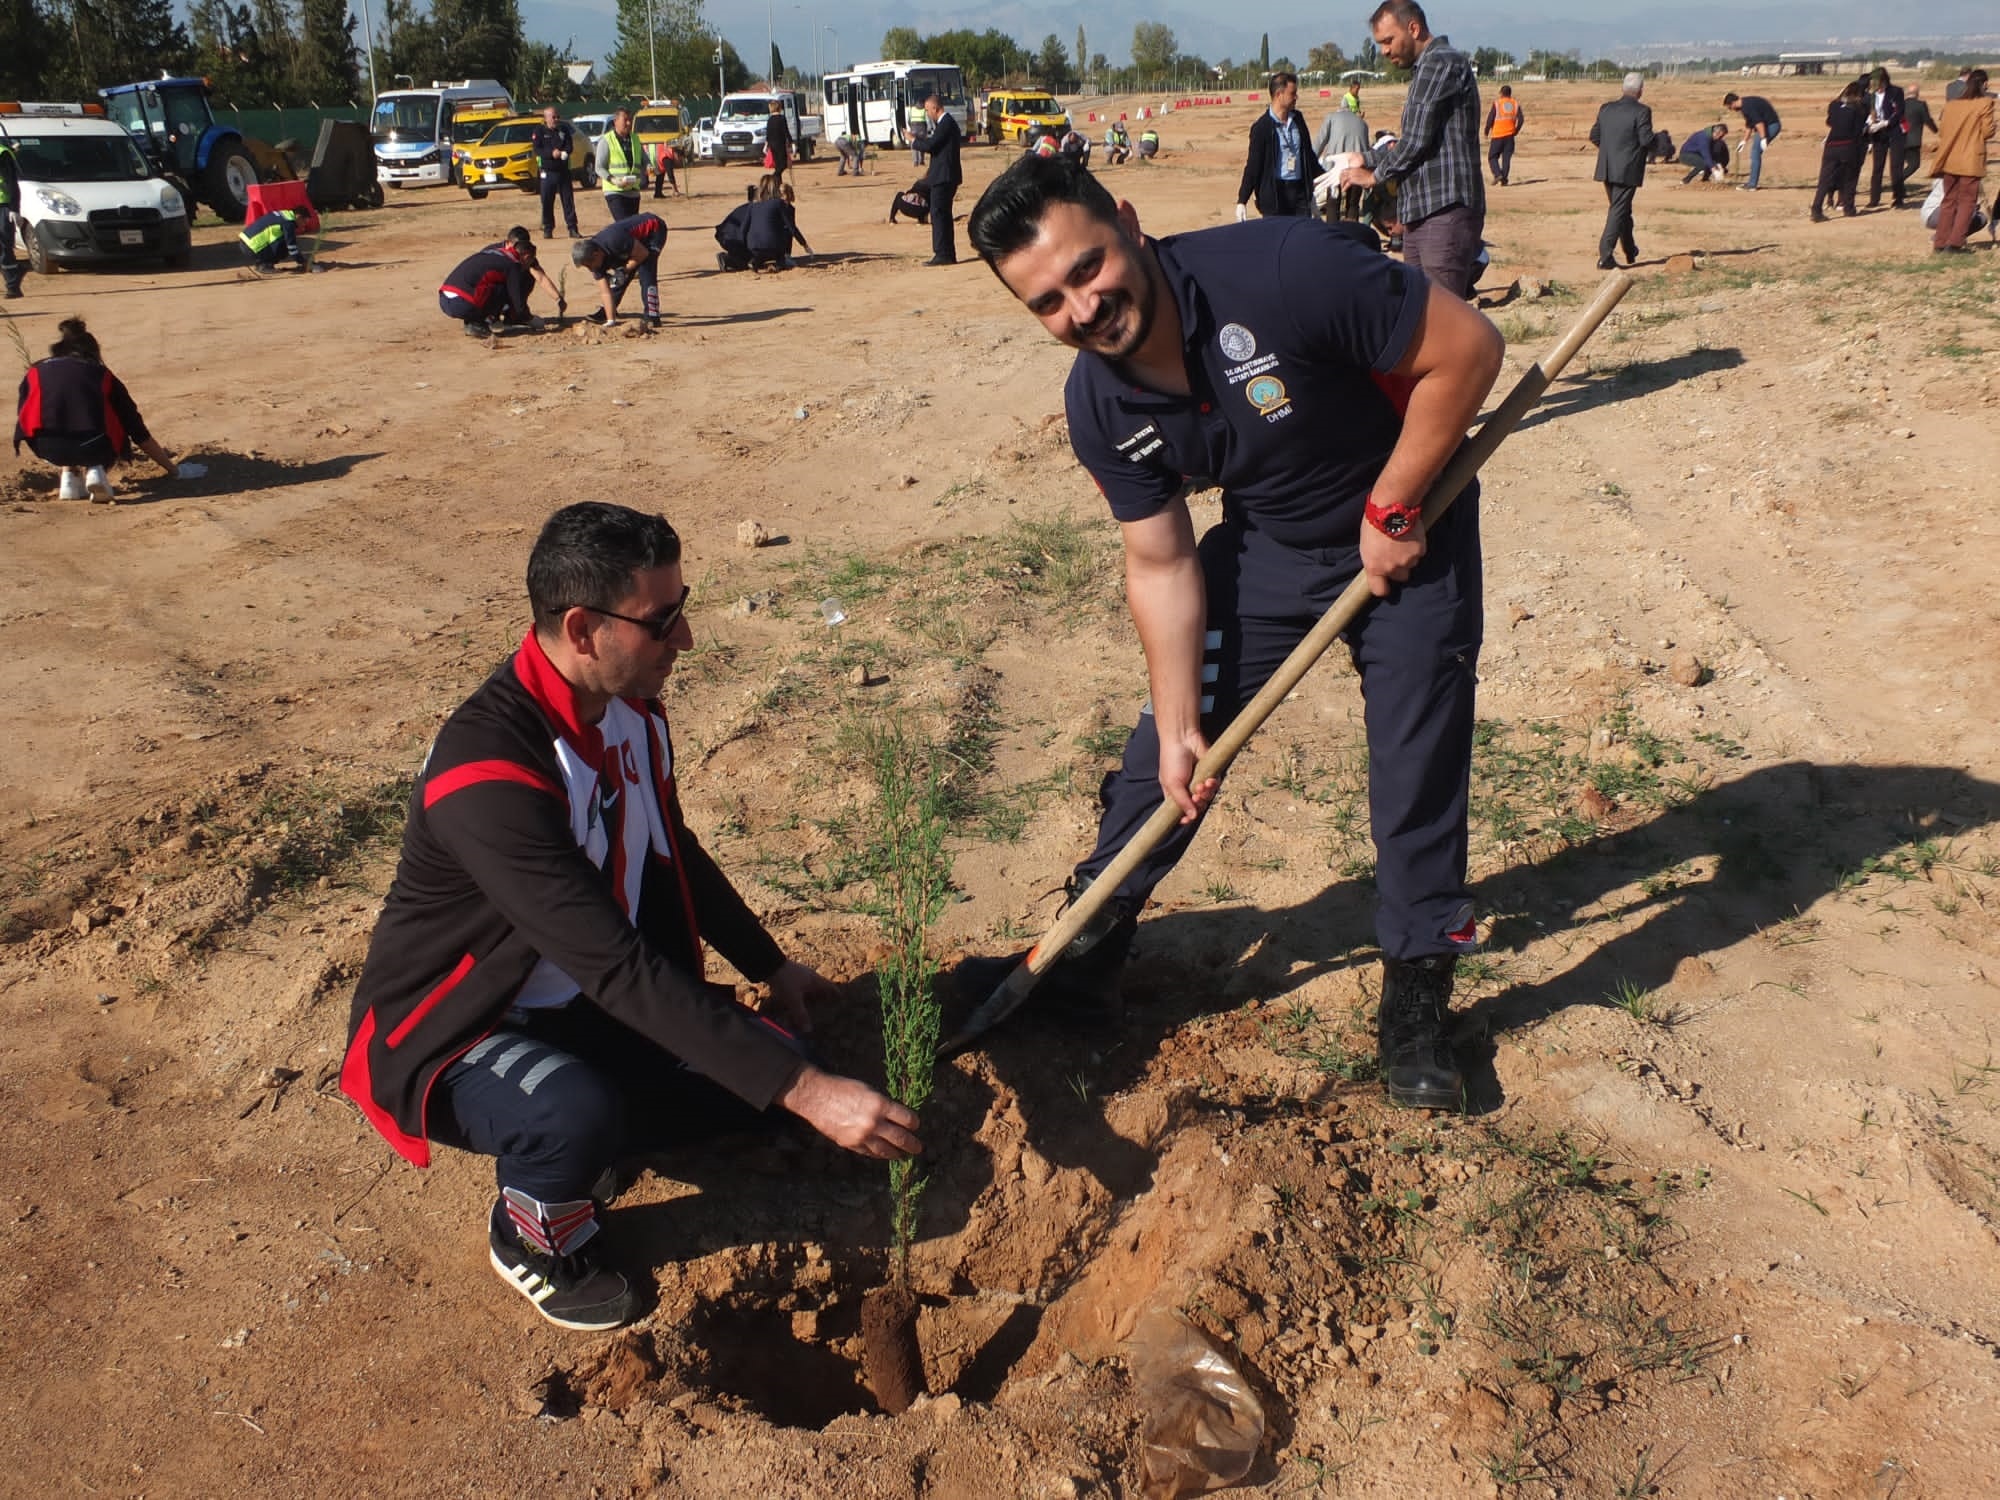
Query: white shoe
{"points": [[71, 487], [99, 486]]}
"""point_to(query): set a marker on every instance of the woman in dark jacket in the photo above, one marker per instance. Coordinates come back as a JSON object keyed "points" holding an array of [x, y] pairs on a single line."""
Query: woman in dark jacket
{"points": [[74, 413], [1840, 157]]}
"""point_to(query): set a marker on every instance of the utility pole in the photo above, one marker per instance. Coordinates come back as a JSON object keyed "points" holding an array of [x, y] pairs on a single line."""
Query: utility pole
{"points": [[653, 48], [368, 32]]}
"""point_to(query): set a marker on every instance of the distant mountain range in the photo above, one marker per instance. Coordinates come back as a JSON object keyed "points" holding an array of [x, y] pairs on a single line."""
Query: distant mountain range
{"points": [[1619, 29]]}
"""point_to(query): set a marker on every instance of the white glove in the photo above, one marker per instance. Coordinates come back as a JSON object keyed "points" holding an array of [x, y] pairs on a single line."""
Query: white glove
{"points": [[1242, 213]]}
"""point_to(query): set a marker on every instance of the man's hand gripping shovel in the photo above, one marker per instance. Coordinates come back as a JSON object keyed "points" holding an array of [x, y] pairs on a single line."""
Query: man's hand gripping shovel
{"points": [[1014, 990]]}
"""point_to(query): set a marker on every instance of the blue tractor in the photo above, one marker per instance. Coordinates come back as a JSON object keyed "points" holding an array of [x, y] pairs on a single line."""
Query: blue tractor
{"points": [[176, 131]]}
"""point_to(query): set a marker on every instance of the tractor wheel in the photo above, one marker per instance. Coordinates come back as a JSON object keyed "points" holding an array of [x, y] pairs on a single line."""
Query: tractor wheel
{"points": [[227, 182]]}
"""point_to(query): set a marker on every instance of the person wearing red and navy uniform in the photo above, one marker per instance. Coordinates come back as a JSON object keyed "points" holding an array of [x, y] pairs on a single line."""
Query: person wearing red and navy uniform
{"points": [[1322, 387], [71, 411], [620, 251], [493, 286], [535, 988]]}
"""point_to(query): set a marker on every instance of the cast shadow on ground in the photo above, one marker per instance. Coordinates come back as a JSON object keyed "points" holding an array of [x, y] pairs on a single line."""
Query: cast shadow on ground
{"points": [[724, 320], [1580, 393], [1780, 837], [232, 474]]}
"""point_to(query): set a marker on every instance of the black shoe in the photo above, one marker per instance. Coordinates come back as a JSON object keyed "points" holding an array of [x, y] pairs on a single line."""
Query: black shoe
{"points": [[937, 260], [549, 233], [1607, 264], [476, 328], [1818, 218], [571, 1291], [13, 294], [1417, 1066], [1632, 256]]}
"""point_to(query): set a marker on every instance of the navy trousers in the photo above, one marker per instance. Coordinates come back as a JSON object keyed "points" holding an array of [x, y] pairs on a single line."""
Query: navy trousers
{"points": [[1417, 652], [556, 1096], [556, 185]]}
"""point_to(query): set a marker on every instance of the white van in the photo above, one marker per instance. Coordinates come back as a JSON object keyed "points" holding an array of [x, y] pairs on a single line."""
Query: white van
{"points": [[412, 128], [87, 195]]}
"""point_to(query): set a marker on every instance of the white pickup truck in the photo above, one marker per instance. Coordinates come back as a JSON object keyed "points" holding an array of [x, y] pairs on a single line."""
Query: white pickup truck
{"points": [[739, 126]]}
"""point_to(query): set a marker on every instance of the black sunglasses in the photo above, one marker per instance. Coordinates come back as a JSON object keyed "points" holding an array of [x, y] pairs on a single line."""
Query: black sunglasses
{"points": [[659, 626]]}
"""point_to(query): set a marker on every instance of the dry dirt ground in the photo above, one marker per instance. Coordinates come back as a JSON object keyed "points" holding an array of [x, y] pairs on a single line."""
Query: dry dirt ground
{"points": [[1721, 1224]]}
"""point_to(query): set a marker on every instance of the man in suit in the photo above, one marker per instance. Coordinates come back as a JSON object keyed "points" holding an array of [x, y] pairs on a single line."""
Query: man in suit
{"points": [[1623, 135], [1917, 118], [1281, 166], [942, 147], [1885, 130]]}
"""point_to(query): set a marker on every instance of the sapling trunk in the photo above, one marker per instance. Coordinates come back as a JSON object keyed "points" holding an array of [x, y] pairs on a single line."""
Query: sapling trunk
{"points": [[913, 883]]}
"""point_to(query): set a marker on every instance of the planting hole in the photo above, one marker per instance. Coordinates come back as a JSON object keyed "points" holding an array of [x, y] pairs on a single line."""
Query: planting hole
{"points": [[795, 1369]]}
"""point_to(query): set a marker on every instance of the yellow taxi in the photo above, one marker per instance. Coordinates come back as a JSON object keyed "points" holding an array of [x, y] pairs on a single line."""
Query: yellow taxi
{"points": [[469, 124], [1016, 115], [505, 158], [657, 123]]}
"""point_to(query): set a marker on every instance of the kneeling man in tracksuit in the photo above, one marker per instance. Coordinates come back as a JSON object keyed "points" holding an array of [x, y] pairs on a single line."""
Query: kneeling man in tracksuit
{"points": [[534, 988], [620, 251], [272, 238], [494, 285], [1323, 387]]}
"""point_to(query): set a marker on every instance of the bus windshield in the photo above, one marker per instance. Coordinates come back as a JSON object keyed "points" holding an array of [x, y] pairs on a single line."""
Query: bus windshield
{"points": [[414, 114]]}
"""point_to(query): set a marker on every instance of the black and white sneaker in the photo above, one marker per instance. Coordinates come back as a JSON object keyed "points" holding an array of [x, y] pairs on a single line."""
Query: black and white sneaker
{"points": [[478, 328], [571, 1290]]}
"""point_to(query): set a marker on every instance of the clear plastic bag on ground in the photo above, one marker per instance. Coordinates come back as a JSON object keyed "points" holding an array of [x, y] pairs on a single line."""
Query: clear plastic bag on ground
{"points": [[1203, 1424]]}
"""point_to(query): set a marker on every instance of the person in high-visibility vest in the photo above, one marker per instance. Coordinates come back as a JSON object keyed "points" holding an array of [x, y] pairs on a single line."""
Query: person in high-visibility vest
{"points": [[271, 239], [621, 167], [1117, 144], [10, 194], [1149, 144], [1351, 100], [1504, 120]]}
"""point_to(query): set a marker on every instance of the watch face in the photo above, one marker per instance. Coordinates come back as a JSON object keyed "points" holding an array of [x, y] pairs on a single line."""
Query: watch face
{"points": [[1395, 523]]}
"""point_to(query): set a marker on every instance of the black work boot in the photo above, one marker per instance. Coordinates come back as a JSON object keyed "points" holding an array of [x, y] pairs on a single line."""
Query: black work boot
{"points": [[1417, 1066]]}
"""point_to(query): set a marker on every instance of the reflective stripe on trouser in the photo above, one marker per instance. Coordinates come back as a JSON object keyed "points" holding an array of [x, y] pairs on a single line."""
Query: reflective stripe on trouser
{"points": [[648, 277], [558, 1095], [1417, 653]]}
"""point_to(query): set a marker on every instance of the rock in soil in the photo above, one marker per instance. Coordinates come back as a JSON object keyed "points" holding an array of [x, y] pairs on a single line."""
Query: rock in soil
{"points": [[890, 1357]]}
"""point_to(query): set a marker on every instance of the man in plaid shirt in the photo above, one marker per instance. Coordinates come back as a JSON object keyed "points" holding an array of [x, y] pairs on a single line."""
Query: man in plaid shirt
{"points": [[1441, 196]]}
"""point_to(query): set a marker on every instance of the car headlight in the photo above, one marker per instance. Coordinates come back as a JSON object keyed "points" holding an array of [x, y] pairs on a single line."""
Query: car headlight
{"points": [[172, 205], [58, 202]]}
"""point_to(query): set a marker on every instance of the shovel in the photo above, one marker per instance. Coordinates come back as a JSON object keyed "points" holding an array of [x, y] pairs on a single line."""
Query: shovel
{"points": [[1017, 986]]}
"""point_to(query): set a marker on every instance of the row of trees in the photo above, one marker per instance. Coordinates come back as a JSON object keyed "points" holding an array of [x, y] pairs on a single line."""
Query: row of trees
{"points": [[306, 52]]}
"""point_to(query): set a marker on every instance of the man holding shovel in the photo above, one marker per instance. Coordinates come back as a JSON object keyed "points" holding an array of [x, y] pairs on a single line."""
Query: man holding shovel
{"points": [[1323, 388]]}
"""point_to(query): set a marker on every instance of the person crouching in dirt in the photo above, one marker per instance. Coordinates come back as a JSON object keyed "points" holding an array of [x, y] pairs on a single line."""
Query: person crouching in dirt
{"points": [[1117, 144], [74, 413], [534, 988], [1370, 374], [493, 286], [619, 252], [912, 202], [759, 236], [272, 240]]}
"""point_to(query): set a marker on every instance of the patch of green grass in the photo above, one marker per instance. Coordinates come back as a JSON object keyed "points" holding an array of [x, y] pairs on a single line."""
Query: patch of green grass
{"points": [[1300, 1032], [1057, 557], [316, 829], [1107, 743], [1643, 1005]]}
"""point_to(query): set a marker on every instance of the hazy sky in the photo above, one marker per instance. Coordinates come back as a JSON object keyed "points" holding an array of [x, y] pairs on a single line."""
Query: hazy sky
{"points": [[1597, 27]]}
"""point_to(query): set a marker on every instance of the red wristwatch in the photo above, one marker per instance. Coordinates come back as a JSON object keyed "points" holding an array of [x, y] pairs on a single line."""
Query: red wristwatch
{"points": [[1392, 520]]}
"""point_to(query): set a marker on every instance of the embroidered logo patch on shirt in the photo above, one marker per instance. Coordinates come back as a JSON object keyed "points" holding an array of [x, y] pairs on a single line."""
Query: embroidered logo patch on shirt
{"points": [[1266, 393], [1238, 342]]}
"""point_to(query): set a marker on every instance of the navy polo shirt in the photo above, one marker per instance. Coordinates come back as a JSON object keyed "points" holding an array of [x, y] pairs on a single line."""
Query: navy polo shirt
{"points": [[618, 238], [1292, 333]]}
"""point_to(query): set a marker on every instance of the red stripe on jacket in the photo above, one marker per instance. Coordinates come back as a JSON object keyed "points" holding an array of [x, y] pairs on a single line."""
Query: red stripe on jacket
{"points": [[458, 778]]}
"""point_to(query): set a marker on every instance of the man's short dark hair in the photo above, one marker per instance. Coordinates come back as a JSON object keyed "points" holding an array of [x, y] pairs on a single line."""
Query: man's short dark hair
{"points": [[1278, 80], [1009, 213], [588, 553], [1404, 11], [1729, 99], [1506, 91]]}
